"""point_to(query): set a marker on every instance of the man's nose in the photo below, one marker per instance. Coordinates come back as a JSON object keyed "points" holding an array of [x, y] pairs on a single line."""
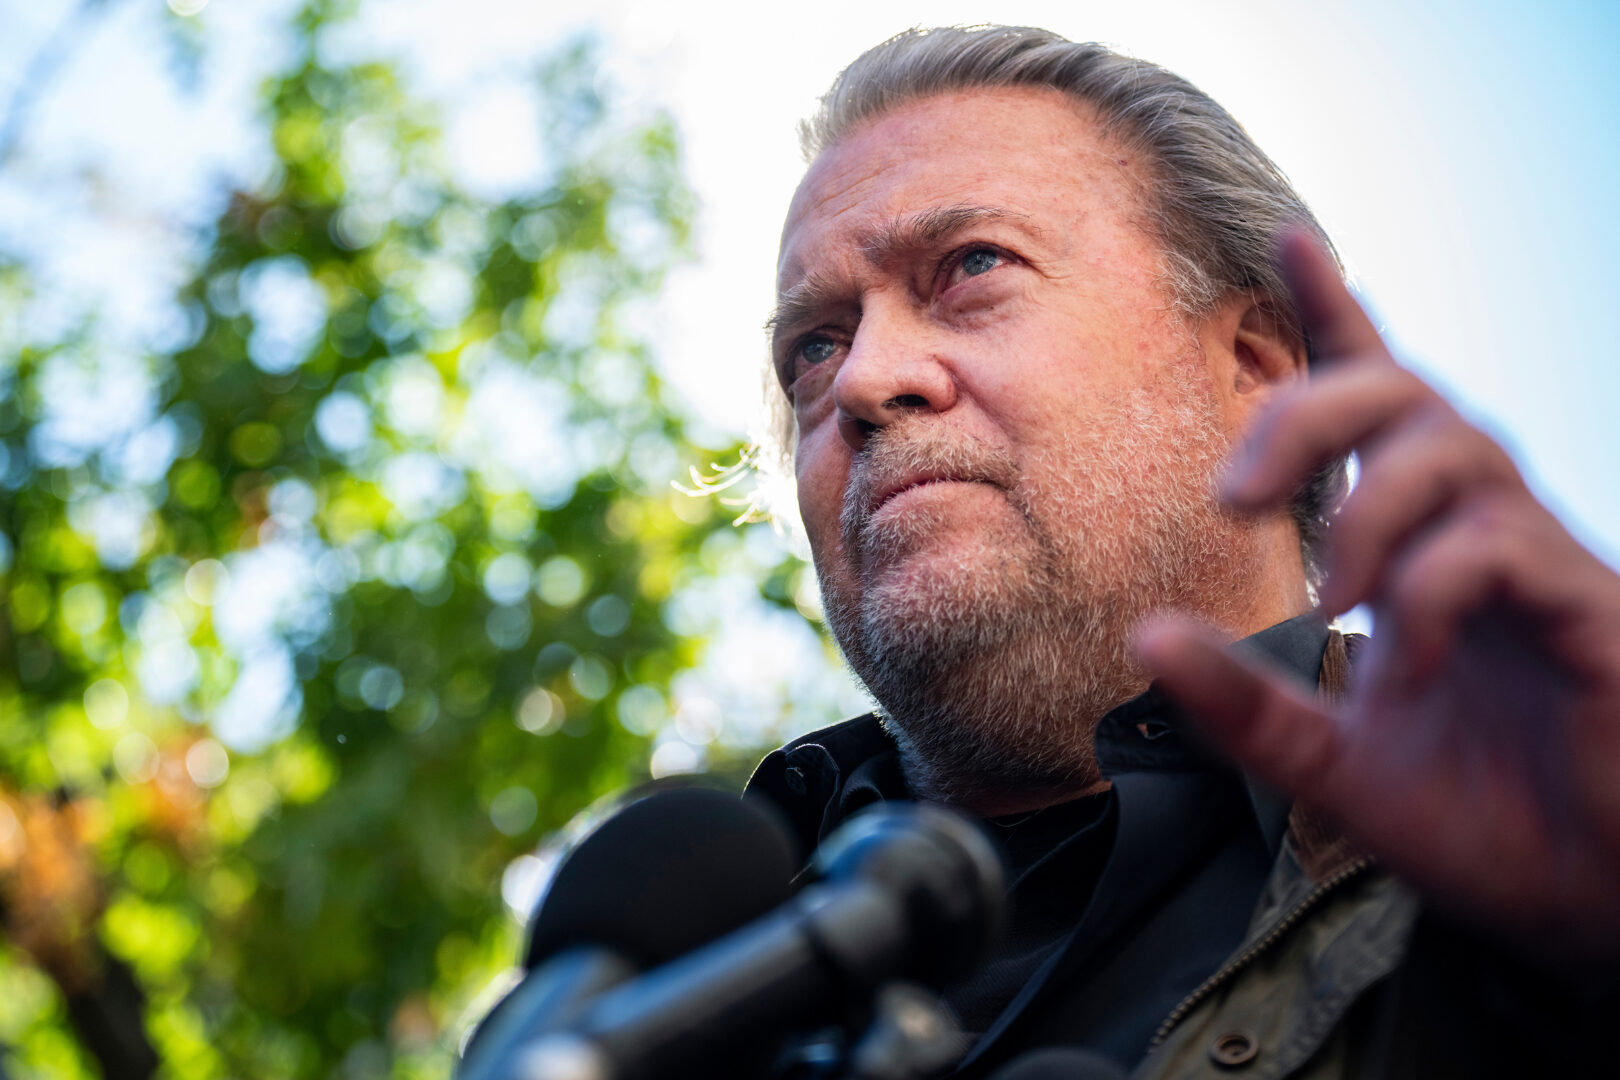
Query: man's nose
{"points": [[892, 370]]}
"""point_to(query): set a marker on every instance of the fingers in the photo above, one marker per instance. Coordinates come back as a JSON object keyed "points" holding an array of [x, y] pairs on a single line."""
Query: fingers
{"points": [[1325, 419], [1416, 474], [1335, 323], [1494, 546], [1269, 728], [1368, 389]]}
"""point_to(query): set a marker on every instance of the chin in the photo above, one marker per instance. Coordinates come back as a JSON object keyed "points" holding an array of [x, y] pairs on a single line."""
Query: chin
{"points": [[943, 590], [990, 677], [994, 660], [967, 582], [986, 698]]}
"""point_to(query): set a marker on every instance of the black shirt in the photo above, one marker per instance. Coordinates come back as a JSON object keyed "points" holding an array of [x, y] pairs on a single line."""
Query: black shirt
{"points": [[1120, 903]]}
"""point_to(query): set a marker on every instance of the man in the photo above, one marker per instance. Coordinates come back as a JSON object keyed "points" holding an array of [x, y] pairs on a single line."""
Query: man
{"points": [[1032, 296]]}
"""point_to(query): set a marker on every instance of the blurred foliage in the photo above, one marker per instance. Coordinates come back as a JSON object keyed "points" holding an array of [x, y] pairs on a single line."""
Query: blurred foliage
{"points": [[313, 623]]}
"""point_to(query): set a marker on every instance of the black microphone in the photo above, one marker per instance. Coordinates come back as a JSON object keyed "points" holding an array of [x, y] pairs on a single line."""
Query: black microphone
{"points": [[906, 891], [1060, 1063], [666, 874], [663, 876]]}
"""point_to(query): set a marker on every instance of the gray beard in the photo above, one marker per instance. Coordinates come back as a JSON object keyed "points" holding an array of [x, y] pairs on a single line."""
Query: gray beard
{"points": [[992, 678]]}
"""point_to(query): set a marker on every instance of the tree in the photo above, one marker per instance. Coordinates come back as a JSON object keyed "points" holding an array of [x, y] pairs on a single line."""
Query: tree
{"points": [[315, 621]]}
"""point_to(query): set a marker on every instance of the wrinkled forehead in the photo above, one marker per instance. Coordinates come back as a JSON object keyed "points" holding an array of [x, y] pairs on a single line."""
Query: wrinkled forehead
{"points": [[835, 195], [1020, 148]]}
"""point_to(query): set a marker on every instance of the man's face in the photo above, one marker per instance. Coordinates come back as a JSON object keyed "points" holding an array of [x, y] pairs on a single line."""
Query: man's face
{"points": [[1006, 435]]}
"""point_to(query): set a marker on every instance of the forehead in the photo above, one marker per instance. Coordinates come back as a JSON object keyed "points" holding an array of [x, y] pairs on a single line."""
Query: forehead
{"points": [[1035, 153]]}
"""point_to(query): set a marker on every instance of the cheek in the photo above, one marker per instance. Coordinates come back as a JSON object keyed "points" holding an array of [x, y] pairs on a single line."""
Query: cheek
{"points": [[821, 470], [1059, 369], [1039, 380]]}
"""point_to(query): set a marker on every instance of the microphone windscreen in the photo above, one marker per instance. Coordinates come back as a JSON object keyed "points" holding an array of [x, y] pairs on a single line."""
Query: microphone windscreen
{"points": [[1060, 1063], [666, 874]]}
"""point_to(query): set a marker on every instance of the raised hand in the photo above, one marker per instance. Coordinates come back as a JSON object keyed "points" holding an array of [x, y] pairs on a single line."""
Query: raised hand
{"points": [[1479, 750]]}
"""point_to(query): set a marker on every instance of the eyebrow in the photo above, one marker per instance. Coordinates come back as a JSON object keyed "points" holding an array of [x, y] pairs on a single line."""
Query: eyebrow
{"points": [[926, 228], [920, 230], [796, 304]]}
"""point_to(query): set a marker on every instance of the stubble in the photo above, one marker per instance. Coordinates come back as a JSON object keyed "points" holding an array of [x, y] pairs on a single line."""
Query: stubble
{"points": [[994, 667]]}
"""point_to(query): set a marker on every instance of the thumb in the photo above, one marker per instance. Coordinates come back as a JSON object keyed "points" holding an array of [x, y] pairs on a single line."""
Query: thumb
{"points": [[1267, 726]]}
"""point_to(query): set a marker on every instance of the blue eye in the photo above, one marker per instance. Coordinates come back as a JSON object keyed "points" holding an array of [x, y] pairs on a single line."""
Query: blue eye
{"points": [[815, 350], [979, 262]]}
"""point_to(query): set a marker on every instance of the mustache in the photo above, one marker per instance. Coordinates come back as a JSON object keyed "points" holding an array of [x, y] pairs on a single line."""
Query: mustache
{"points": [[910, 448]]}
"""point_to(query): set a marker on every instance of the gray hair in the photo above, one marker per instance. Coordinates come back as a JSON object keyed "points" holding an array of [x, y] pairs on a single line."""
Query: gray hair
{"points": [[1216, 203]]}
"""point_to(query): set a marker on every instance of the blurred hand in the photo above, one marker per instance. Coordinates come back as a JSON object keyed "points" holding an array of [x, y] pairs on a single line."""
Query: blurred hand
{"points": [[1479, 750]]}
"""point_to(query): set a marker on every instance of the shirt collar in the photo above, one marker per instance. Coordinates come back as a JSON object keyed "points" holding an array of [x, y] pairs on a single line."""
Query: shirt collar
{"points": [[821, 778], [1149, 732]]}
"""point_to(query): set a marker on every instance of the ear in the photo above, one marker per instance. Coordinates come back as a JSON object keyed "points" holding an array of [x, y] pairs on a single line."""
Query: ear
{"points": [[1267, 352]]}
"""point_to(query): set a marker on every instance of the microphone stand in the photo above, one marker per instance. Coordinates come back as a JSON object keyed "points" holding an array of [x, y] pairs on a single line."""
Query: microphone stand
{"points": [[904, 1033], [912, 1036]]}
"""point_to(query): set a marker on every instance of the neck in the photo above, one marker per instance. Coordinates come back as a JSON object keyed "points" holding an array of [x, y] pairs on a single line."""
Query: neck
{"points": [[1280, 591]]}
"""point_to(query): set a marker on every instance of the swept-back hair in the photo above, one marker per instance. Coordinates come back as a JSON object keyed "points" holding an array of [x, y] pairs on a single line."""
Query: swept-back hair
{"points": [[1217, 205]]}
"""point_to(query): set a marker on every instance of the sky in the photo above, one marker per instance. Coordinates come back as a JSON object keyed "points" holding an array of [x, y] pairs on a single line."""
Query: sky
{"points": [[1461, 154]]}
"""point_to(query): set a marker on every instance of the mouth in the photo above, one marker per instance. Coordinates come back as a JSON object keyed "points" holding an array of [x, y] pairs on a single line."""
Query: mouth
{"points": [[911, 455], [885, 493]]}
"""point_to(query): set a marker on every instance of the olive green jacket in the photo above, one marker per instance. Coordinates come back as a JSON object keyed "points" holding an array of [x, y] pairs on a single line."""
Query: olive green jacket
{"points": [[1329, 929], [1345, 975]]}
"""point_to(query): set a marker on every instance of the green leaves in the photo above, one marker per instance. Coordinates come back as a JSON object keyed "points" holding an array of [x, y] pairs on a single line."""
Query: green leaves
{"points": [[318, 620]]}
